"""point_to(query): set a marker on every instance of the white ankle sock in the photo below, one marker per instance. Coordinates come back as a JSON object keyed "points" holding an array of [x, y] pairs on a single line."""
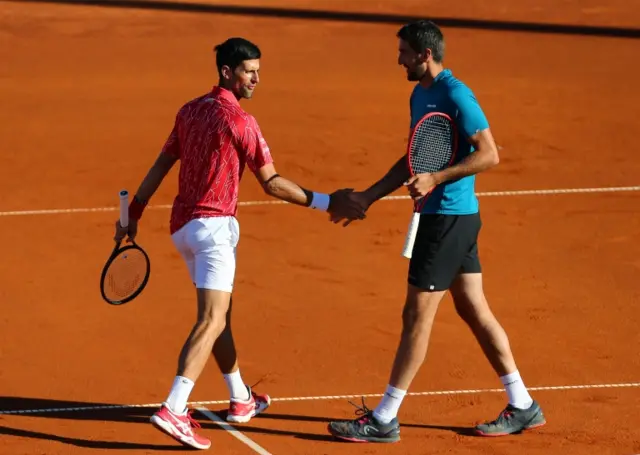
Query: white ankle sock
{"points": [[179, 394], [236, 386], [388, 407], [517, 392]]}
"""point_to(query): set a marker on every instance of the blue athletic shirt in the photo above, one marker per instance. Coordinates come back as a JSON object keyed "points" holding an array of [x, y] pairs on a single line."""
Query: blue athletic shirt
{"points": [[451, 96]]}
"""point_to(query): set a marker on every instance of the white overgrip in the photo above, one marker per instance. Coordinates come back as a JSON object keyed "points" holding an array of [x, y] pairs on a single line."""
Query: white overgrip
{"points": [[411, 235], [124, 208]]}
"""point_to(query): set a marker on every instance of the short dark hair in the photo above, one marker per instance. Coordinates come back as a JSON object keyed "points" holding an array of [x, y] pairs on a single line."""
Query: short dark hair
{"points": [[422, 35], [234, 51]]}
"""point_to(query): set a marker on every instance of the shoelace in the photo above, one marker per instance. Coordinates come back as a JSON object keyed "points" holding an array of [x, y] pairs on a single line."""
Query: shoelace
{"points": [[362, 411], [504, 415], [192, 421]]}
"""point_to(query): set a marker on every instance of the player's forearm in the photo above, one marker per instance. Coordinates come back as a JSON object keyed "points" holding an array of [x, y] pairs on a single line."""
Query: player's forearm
{"points": [[392, 180], [479, 161], [154, 177], [286, 190]]}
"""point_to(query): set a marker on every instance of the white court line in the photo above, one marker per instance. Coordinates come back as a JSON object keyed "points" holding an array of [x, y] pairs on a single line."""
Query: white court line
{"points": [[325, 397], [614, 189], [235, 433]]}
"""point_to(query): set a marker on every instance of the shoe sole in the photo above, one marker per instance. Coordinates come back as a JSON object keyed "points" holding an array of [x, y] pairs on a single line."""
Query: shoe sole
{"points": [[170, 430], [374, 440], [528, 427], [246, 418]]}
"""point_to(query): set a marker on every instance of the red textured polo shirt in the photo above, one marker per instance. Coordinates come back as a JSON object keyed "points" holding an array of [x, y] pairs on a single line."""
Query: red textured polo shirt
{"points": [[214, 138]]}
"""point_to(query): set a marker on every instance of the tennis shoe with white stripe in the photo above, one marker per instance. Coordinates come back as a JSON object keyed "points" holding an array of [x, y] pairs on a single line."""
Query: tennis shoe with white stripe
{"points": [[180, 427]]}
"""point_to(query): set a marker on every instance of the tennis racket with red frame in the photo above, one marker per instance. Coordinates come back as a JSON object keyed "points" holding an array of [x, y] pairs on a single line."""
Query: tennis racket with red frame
{"points": [[432, 148], [127, 270]]}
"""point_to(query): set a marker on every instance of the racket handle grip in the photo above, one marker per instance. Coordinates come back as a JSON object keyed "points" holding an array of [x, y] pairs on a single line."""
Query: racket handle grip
{"points": [[411, 235], [124, 208]]}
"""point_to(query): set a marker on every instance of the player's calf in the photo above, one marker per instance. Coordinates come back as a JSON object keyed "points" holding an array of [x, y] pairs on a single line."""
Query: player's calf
{"points": [[417, 321], [472, 306], [212, 310]]}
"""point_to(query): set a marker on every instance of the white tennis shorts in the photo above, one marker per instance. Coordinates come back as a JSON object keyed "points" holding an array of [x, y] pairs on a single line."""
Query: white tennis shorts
{"points": [[208, 246]]}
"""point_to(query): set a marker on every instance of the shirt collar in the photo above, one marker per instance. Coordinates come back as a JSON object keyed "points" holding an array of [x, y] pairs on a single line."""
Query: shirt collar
{"points": [[227, 94], [442, 74]]}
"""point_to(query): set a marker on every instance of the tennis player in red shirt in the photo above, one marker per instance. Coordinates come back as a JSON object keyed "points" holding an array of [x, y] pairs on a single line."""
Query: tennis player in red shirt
{"points": [[214, 139]]}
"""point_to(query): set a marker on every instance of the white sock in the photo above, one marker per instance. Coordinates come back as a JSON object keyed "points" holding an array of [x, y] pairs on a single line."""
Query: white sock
{"points": [[388, 407], [518, 395], [236, 386], [179, 394]]}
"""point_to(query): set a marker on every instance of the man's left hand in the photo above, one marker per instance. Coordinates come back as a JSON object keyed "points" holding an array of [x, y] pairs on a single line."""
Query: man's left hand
{"points": [[420, 185]]}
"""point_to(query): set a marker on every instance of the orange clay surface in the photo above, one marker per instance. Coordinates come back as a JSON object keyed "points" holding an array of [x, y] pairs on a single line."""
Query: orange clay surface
{"points": [[88, 97]]}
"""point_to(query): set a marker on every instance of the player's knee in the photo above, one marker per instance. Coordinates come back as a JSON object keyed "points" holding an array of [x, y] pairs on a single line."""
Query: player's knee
{"points": [[466, 311], [409, 315], [215, 326], [420, 308], [211, 322], [212, 308], [473, 310]]}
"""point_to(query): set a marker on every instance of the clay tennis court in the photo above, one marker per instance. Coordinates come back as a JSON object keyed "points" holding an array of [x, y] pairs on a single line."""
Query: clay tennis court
{"points": [[89, 95]]}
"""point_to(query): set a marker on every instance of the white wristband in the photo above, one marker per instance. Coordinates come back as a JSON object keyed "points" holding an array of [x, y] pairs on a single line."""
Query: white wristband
{"points": [[320, 201]]}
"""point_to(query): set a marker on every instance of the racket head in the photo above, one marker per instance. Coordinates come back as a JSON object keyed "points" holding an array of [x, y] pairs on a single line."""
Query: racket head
{"points": [[433, 146], [125, 274]]}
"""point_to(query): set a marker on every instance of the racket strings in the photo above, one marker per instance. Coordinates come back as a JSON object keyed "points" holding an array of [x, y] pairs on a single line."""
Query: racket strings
{"points": [[125, 275], [432, 145]]}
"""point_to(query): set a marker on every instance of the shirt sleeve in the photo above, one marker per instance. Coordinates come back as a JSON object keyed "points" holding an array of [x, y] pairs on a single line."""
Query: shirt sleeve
{"points": [[254, 145], [172, 144], [471, 118]]}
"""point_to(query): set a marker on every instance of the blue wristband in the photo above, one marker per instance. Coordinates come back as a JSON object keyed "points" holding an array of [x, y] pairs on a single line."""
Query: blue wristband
{"points": [[320, 201]]}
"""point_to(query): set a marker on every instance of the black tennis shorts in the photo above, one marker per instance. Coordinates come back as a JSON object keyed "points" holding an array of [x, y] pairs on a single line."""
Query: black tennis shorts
{"points": [[445, 246]]}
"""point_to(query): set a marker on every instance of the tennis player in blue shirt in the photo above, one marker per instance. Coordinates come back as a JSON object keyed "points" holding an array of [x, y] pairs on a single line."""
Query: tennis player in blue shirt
{"points": [[445, 253]]}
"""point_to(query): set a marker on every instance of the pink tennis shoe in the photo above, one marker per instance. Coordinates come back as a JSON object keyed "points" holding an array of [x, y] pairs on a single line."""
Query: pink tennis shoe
{"points": [[242, 411], [180, 426]]}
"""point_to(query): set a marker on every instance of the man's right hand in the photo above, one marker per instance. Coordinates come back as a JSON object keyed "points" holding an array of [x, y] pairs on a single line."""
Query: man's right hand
{"points": [[348, 204], [129, 231]]}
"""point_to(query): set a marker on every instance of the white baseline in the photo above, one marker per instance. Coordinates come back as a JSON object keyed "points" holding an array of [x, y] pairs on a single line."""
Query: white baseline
{"points": [[614, 189]]}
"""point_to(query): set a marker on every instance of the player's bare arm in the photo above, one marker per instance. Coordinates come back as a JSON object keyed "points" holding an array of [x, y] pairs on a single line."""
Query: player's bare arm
{"points": [[155, 176], [485, 157], [147, 189], [390, 182], [281, 188]]}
